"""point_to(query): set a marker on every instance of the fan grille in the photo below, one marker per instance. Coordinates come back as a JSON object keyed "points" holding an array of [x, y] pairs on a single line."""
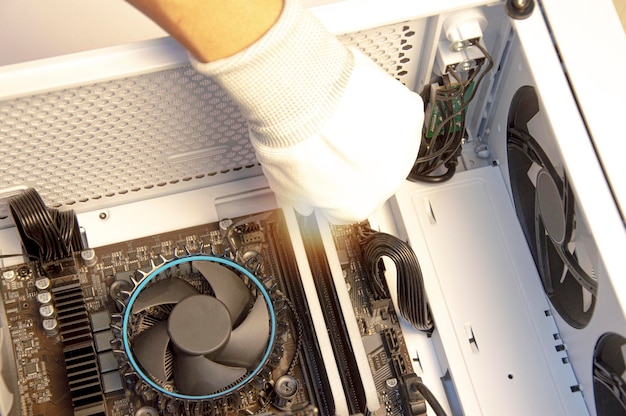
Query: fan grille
{"points": [[164, 131]]}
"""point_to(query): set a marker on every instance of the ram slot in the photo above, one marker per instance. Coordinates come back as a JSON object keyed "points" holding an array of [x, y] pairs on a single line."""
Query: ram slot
{"points": [[340, 339], [286, 269]]}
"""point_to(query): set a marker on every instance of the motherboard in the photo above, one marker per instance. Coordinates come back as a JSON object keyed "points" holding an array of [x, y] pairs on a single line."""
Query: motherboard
{"points": [[209, 320]]}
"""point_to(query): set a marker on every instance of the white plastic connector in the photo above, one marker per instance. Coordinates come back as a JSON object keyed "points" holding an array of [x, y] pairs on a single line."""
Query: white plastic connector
{"points": [[460, 28], [463, 60]]}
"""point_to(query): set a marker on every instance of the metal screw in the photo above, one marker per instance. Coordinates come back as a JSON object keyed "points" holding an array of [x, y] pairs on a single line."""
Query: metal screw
{"points": [[519, 9], [520, 4], [458, 46]]}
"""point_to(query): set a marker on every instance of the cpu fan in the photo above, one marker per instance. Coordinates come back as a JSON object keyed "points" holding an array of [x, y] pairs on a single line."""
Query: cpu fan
{"points": [[198, 327], [563, 250]]}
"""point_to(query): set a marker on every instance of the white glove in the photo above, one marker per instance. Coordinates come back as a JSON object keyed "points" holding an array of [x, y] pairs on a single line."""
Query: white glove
{"points": [[330, 128]]}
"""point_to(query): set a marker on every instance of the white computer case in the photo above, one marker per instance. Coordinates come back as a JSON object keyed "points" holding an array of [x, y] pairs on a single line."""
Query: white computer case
{"points": [[99, 132]]}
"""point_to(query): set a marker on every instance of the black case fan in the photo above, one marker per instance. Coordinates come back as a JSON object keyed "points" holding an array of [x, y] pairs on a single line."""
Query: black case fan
{"points": [[546, 208], [562, 248], [609, 371]]}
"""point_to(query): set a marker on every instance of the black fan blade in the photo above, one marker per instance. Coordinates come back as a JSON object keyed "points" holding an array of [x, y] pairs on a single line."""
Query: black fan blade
{"points": [[249, 340], [150, 347], [228, 288], [196, 375], [170, 290]]}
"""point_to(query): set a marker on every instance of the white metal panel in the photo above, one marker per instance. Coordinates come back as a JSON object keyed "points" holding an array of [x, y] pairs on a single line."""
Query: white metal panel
{"points": [[35, 29], [561, 132], [352, 15], [482, 285], [592, 45], [584, 169]]}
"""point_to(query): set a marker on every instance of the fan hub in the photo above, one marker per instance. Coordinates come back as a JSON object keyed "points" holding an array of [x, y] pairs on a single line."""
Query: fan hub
{"points": [[551, 207], [199, 325]]}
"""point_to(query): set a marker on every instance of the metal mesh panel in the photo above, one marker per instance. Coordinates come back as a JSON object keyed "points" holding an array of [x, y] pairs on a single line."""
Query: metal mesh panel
{"points": [[392, 47], [121, 135], [173, 127]]}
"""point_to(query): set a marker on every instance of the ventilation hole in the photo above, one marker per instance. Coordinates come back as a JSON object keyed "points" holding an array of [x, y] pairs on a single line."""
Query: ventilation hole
{"points": [[93, 131]]}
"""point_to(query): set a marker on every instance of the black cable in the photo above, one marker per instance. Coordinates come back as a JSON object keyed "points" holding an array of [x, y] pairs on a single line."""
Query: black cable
{"points": [[412, 300], [444, 145], [8, 256], [430, 398], [449, 173], [47, 234]]}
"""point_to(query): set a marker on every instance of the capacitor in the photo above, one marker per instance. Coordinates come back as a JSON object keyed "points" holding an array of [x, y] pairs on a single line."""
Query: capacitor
{"points": [[147, 411], [225, 224], [50, 327], [42, 283], [44, 297], [47, 311], [89, 257], [285, 388], [8, 275], [391, 383]]}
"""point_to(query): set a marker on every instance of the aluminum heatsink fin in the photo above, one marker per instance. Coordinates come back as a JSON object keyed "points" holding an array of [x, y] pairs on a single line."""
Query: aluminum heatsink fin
{"points": [[170, 290], [150, 348], [197, 375]]}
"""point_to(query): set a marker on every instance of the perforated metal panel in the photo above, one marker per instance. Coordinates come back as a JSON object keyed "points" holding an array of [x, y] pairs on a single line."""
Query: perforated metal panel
{"points": [[168, 129], [121, 136], [394, 48]]}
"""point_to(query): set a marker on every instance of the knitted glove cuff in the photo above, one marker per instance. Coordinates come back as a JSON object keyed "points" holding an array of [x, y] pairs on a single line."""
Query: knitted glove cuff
{"points": [[290, 81]]}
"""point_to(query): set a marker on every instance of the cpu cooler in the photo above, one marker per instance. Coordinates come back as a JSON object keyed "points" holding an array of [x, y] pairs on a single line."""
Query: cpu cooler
{"points": [[198, 328]]}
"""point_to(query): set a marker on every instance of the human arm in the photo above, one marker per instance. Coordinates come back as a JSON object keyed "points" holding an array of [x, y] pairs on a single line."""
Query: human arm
{"points": [[330, 128], [212, 29]]}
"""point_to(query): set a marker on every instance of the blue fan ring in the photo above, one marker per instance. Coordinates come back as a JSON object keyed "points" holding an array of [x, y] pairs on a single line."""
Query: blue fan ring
{"points": [[144, 282]]}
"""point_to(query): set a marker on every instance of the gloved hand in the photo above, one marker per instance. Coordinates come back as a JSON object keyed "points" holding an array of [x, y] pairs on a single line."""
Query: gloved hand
{"points": [[330, 128]]}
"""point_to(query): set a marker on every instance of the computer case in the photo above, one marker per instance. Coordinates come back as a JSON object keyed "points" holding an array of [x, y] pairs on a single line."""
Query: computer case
{"points": [[519, 253]]}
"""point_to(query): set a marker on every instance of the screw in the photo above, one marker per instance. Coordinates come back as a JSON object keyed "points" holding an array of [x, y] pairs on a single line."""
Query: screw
{"points": [[520, 4], [103, 215], [458, 46], [519, 9]]}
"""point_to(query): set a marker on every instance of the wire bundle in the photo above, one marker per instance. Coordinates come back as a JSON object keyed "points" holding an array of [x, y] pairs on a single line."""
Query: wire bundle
{"points": [[47, 234], [411, 295], [443, 148]]}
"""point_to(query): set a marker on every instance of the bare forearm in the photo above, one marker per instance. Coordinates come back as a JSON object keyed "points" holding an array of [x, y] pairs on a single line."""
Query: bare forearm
{"points": [[212, 29]]}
